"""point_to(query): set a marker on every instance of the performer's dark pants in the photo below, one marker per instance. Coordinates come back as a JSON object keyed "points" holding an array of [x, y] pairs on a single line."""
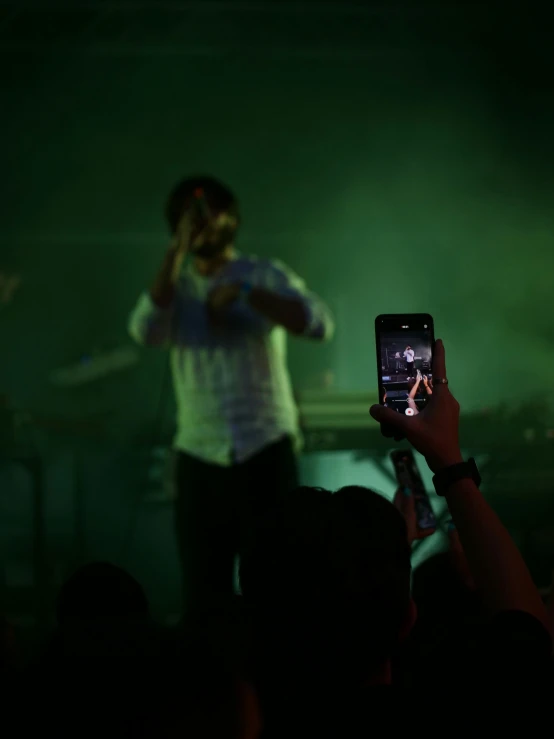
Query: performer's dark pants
{"points": [[410, 366], [215, 506]]}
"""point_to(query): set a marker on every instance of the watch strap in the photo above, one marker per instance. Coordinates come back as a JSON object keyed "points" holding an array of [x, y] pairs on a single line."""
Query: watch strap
{"points": [[447, 477]]}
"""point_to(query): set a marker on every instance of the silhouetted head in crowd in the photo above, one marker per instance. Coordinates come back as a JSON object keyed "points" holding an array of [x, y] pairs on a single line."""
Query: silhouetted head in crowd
{"points": [[326, 581], [100, 591], [440, 590]]}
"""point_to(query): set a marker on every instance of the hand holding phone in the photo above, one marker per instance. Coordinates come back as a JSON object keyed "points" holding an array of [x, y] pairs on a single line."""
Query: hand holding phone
{"points": [[433, 432]]}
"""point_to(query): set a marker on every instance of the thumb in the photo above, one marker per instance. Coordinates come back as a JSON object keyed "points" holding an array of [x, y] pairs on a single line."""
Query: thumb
{"points": [[388, 417], [439, 361]]}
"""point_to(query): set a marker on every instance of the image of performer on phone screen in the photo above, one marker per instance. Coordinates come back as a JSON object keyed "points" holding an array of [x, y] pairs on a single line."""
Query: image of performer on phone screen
{"points": [[409, 356], [225, 317]]}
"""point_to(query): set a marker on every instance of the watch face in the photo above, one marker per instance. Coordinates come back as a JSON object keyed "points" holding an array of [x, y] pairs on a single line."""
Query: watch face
{"points": [[447, 477]]}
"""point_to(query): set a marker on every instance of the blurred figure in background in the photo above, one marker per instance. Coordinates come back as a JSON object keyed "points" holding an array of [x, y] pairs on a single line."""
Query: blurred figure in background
{"points": [[101, 610], [111, 671], [226, 318]]}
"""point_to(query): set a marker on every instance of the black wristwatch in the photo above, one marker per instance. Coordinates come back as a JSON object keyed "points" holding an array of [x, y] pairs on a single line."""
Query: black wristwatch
{"points": [[445, 478]]}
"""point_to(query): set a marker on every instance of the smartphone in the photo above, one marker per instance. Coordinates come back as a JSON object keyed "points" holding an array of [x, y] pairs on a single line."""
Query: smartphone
{"points": [[404, 343], [407, 475]]}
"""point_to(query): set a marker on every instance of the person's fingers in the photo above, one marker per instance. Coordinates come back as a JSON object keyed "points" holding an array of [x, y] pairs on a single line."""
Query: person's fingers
{"points": [[439, 361], [389, 433], [394, 421]]}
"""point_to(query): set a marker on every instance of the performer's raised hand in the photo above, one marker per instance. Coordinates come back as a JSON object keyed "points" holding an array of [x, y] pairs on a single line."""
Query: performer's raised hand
{"points": [[182, 242], [163, 288]]}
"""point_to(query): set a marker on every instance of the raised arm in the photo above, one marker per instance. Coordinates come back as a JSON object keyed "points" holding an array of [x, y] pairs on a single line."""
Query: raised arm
{"points": [[150, 322], [411, 395], [496, 565], [287, 302], [413, 391], [428, 385]]}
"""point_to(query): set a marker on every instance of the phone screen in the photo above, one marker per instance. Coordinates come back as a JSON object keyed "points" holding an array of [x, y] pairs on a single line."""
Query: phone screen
{"points": [[407, 475], [404, 360]]}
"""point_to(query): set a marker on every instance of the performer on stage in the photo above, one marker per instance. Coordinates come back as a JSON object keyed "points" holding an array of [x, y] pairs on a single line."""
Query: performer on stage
{"points": [[226, 317], [409, 355]]}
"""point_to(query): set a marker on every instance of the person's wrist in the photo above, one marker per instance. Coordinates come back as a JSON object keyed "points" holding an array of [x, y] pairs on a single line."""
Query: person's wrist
{"points": [[443, 461], [459, 488]]}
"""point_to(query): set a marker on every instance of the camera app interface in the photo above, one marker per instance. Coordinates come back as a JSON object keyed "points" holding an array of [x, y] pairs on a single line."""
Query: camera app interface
{"points": [[404, 356]]}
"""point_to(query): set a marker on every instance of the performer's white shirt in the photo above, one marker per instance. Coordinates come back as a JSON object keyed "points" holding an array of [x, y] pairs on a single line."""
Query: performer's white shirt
{"points": [[232, 386], [409, 354]]}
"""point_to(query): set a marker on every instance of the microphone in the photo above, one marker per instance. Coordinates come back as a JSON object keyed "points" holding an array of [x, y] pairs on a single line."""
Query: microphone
{"points": [[202, 204]]}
